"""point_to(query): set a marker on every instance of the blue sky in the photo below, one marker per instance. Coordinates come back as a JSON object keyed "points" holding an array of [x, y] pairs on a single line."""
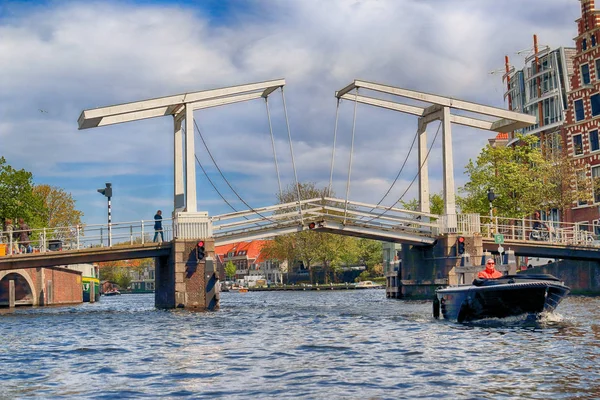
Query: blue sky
{"points": [[58, 58]]}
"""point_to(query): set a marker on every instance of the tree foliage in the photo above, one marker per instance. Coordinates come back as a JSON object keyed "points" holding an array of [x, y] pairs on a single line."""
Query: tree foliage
{"points": [[314, 248], [230, 269], [58, 207], [436, 204], [16, 196], [520, 177]]}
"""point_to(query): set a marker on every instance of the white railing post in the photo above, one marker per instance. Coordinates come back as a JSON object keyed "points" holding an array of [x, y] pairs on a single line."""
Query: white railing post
{"points": [[142, 231], [131, 234], [78, 231], [43, 245]]}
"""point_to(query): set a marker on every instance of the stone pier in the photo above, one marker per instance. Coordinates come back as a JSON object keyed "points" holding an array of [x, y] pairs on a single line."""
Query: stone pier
{"points": [[183, 281], [425, 268]]}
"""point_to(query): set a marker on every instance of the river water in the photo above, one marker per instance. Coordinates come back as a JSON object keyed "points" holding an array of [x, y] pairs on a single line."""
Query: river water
{"points": [[314, 345]]}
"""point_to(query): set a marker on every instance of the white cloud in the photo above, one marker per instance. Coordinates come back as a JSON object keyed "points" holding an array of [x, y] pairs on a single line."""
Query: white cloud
{"points": [[69, 56]]}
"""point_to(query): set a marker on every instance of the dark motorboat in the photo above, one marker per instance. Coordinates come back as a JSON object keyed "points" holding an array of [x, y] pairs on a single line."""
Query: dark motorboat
{"points": [[508, 296]]}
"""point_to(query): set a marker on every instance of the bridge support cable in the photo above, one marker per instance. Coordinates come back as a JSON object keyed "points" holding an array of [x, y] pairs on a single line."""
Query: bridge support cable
{"points": [[350, 161], [273, 144], [337, 111], [223, 176], [287, 122], [401, 169], [424, 162]]}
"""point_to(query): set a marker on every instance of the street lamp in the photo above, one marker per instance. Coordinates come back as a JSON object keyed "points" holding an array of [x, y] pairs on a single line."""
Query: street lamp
{"points": [[107, 191]]}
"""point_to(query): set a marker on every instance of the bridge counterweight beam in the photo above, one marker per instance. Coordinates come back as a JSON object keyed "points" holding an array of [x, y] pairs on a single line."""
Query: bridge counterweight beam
{"points": [[423, 173]]}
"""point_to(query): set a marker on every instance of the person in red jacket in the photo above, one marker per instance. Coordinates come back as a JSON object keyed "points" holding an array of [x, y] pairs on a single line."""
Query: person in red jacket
{"points": [[490, 271]]}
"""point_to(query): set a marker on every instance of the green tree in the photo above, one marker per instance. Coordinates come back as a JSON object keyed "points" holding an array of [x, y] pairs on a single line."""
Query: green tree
{"points": [[436, 204], [17, 199], [370, 253], [230, 269], [58, 207], [518, 175]]}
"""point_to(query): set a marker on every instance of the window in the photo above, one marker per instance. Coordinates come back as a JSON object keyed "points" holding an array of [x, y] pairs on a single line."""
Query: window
{"points": [[598, 69], [596, 227], [594, 140], [593, 37], [585, 74], [584, 44], [596, 183], [577, 145], [595, 100], [579, 114]]}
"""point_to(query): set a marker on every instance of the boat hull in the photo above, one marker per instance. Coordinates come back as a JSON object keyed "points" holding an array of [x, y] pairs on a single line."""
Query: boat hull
{"points": [[508, 296]]}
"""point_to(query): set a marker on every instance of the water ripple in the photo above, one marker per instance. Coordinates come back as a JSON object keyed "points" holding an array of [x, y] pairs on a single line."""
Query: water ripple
{"points": [[314, 345]]}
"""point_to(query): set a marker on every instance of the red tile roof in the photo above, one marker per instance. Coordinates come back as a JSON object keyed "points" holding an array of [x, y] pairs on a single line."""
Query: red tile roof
{"points": [[253, 250], [502, 136]]}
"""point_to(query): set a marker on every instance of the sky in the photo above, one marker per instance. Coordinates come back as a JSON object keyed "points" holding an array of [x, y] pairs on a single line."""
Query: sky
{"points": [[58, 58]]}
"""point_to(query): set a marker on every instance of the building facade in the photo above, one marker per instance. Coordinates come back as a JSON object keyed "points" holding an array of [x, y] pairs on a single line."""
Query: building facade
{"points": [[250, 261], [583, 114]]}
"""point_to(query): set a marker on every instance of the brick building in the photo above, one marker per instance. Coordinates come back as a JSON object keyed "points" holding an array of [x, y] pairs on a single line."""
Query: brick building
{"points": [[583, 114], [42, 286]]}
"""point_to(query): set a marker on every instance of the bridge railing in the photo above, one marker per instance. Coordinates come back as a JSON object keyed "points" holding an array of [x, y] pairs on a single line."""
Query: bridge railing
{"points": [[565, 233], [85, 236]]}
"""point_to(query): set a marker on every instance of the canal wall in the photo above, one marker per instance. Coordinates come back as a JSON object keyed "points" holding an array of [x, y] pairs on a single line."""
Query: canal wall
{"points": [[583, 277]]}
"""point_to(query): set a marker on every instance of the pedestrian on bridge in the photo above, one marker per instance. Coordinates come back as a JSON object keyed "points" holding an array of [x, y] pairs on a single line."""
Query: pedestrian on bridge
{"points": [[158, 226], [11, 237], [24, 232]]}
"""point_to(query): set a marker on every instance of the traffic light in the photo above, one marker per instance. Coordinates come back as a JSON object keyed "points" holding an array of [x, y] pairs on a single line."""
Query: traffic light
{"points": [[312, 225], [200, 250], [107, 191], [460, 245]]}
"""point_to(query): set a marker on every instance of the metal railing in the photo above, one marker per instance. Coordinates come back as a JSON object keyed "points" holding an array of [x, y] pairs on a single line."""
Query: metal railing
{"points": [[84, 236], [565, 233]]}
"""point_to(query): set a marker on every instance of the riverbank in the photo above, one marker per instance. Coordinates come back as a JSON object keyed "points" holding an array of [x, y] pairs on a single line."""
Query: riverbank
{"points": [[308, 287]]}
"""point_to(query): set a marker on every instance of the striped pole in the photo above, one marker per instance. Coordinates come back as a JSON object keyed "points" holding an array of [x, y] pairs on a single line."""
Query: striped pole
{"points": [[109, 225]]}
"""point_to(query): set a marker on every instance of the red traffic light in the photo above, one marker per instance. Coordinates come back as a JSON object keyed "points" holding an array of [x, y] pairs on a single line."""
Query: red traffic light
{"points": [[311, 225], [461, 239], [201, 243]]}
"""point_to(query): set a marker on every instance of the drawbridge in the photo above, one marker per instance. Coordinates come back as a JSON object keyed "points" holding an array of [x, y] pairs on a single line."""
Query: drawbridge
{"points": [[329, 214]]}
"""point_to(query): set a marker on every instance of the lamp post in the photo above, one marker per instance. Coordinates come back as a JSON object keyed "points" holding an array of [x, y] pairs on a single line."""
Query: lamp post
{"points": [[107, 191]]}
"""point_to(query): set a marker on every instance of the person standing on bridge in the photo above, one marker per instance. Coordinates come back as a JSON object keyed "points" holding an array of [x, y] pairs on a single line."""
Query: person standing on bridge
{"points": [[11, 237], [24, 232], [158, 226], [490, 270]]}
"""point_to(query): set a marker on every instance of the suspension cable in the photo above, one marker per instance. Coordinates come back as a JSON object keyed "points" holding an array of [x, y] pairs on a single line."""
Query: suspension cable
{"points": [[351, 153], [225, 179], [210, 180], [273, 144], [400, 171], [337, 109], [413, 180], [292, 154]]}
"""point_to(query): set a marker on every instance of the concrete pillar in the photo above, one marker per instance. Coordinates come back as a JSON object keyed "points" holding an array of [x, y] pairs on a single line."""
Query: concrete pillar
{"points": [[190, 160], [178, 195], [449, 195], [11, 293], [424, 173], [92, 292], [184, 282]]}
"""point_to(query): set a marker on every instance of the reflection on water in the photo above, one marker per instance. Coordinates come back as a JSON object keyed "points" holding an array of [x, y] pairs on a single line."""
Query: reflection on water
{"points": [[354, 344]]}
